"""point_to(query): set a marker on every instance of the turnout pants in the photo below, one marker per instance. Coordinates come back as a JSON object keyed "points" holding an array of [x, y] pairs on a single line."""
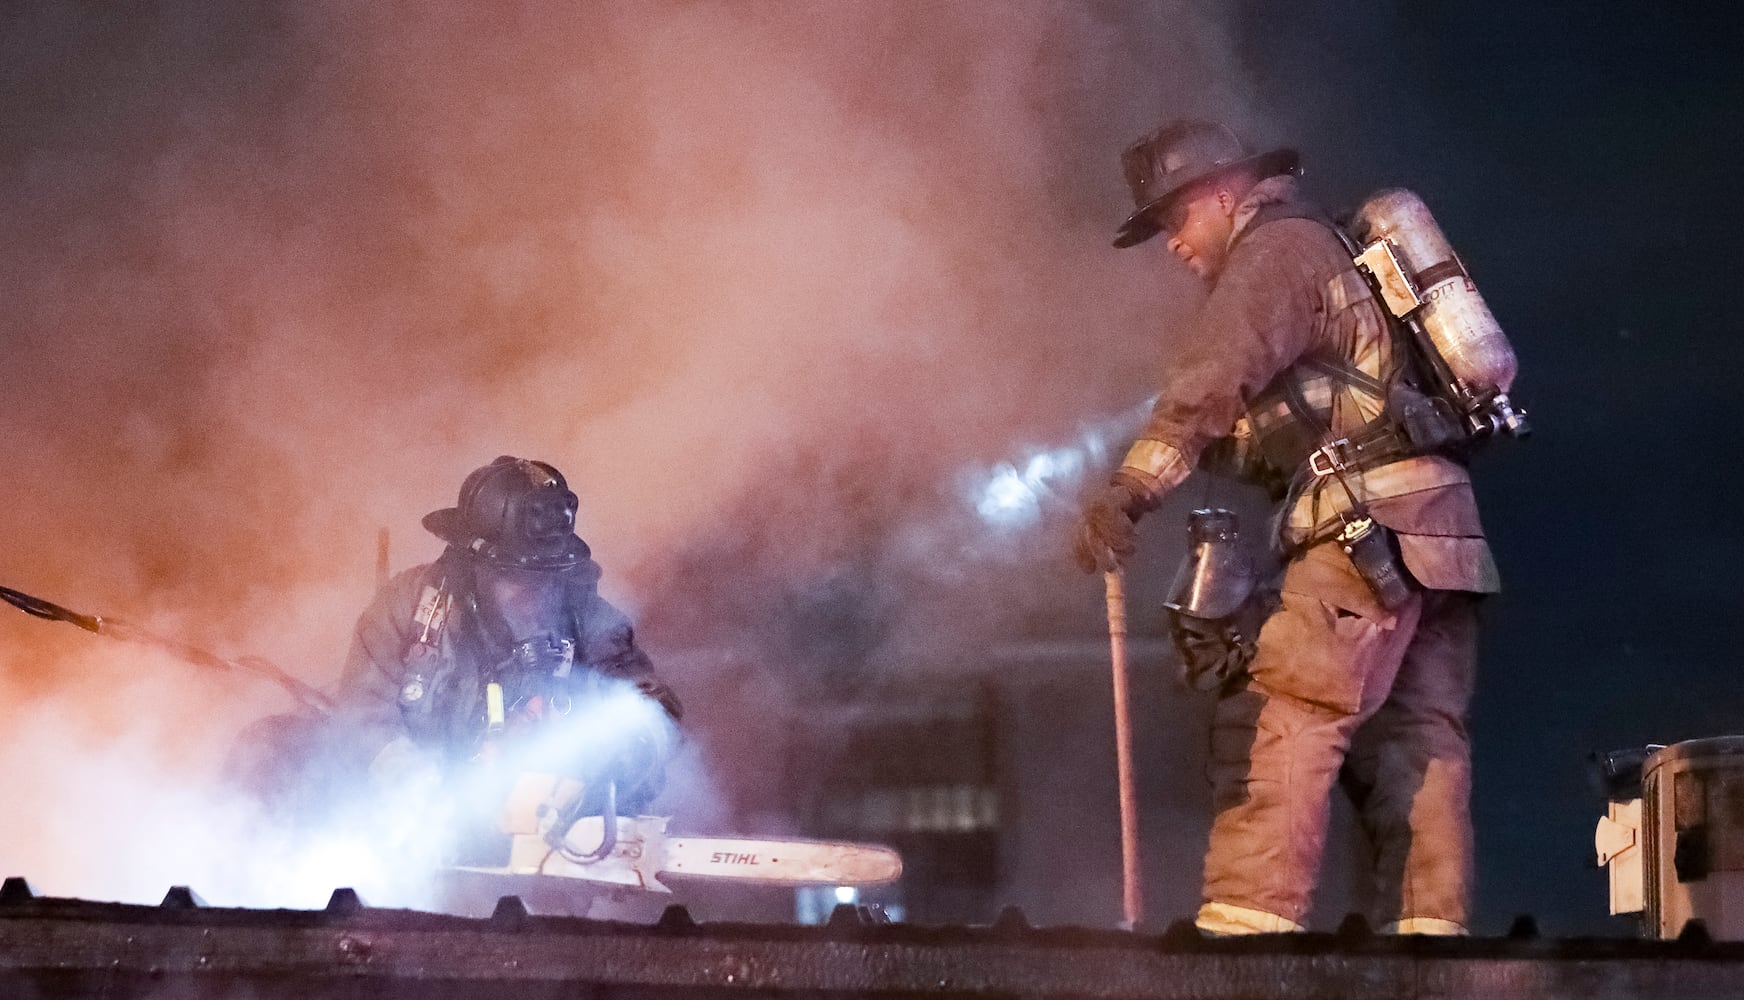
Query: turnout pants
{"points": [[1342, 691]]}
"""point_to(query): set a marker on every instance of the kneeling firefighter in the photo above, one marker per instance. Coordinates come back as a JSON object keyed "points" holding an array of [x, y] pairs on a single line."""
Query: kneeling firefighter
{"points": [[1359, 669], [501, 658]]}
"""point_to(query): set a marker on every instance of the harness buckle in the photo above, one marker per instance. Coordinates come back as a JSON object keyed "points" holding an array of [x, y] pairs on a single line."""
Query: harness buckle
{"points": [[1324, 460]]}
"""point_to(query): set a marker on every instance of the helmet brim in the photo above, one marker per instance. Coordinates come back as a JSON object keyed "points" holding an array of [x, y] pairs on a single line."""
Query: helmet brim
{"points": [[447, 524], [1141, 225]]}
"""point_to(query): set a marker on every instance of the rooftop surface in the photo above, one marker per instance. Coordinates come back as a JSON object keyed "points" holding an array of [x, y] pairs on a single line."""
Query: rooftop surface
{"points": [[61, 948]]}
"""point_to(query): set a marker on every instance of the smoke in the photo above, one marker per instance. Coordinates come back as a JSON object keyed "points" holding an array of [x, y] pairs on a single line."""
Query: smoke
{"points": [[779, 287]]}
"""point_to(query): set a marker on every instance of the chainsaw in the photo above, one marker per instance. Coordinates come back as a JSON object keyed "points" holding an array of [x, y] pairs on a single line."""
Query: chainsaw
{"points": [[546, 838]]}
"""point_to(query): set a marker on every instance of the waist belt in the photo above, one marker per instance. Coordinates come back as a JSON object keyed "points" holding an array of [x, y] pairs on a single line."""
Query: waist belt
{"points": [[1330, 471], [1363, 450], [1307, 518]]}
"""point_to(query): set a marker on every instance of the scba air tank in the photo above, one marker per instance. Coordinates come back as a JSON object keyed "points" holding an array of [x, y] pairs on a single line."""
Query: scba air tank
{"points": [[1454, 316]]}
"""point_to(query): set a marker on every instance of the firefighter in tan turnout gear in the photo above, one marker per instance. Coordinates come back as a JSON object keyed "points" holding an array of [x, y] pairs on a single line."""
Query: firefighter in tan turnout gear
{"points": [[1292, 377]]}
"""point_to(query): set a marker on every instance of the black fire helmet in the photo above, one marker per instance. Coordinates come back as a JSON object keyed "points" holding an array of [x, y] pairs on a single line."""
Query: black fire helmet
{"points": [[514, 512]]}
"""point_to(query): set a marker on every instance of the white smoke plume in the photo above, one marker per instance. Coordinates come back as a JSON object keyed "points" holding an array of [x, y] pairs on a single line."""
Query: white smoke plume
{"points": [[778, 286]]}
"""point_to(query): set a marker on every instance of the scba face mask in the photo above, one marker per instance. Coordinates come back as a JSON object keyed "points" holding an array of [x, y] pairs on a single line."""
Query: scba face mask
{"points": [[526, 604]]}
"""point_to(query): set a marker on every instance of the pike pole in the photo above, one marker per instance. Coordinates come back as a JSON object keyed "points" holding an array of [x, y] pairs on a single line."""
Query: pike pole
{"points": [[1131, 894]]}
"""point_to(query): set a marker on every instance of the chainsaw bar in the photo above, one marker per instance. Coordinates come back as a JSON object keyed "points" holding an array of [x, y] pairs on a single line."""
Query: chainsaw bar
{"points": [[643, 853]]}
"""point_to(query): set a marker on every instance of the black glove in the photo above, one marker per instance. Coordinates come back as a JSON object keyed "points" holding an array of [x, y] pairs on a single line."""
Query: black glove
{"points": [[1107, 535], [640, 772], [653, 687]]}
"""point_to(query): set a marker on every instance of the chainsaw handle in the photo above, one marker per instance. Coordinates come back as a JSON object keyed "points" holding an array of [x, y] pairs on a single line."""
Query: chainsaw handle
{"points": [[608, 832]]}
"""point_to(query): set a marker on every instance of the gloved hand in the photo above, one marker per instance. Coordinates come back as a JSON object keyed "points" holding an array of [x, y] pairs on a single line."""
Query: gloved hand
{"points": [[640, 771], [653, 687], [636, 765], [1107, 535]]}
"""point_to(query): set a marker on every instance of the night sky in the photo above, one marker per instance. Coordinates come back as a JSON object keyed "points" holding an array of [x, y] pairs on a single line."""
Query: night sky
{"points": [[777, 284]]}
